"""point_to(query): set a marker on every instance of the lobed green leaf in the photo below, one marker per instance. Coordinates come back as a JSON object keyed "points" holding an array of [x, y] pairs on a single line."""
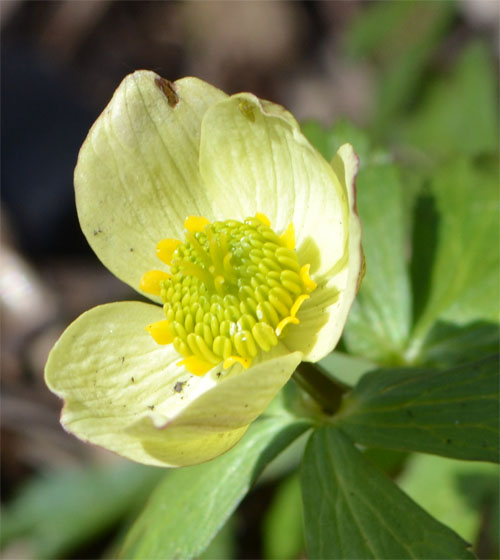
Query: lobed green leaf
{"points": [[351, 510], [454, 413], [459, 114], [465, 274], [380, 321]]}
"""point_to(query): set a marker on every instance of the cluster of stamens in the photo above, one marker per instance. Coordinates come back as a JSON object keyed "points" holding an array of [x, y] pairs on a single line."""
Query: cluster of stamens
{"points": [[232, 289]]}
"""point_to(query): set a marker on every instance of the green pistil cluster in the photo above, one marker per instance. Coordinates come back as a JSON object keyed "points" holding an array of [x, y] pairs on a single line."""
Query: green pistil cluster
{"points": [[234, 288]]}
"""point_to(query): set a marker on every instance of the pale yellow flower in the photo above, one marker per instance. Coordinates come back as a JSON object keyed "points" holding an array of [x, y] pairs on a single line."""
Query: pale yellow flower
{"points": [[259, 262]]}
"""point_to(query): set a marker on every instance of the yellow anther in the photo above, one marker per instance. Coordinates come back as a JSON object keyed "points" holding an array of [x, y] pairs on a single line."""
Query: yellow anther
{"points": [[287, 238], [152, 280], [195, 224], [309, 283], [196, 365], [166, 248], [264, 335], [245, 362], [226, 263], [284, 322], [161, 332], [263, 219], [298, 302]]}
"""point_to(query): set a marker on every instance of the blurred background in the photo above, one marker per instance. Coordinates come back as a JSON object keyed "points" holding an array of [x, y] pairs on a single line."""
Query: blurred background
{"points": [[383, 66]]}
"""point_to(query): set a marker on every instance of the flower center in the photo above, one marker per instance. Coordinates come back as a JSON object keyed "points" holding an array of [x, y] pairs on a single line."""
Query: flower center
{"points": [[233, 288]]}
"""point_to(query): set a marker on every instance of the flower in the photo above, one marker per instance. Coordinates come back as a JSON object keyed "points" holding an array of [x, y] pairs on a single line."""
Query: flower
{"points": [[260, 260]]}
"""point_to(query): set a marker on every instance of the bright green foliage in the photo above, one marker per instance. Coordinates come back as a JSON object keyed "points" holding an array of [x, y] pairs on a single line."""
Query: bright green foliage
{"points": [[351, 510], [283, 525], [400, 38], [223, 544], [458, 491], [59, 511], [453, 413], [459, 114], [380, 322], [463, 288], [431, 263]]}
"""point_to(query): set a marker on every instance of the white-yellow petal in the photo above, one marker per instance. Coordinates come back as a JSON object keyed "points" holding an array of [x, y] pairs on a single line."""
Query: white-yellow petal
{"points": [[137, 176], [324, 314], [253, 158], [124, 392]]}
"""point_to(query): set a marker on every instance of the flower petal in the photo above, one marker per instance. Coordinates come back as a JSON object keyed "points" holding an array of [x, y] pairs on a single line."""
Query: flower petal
{"points": [[218, 418], [253, 158], [124, 392], [323, 315], [137, 175]]}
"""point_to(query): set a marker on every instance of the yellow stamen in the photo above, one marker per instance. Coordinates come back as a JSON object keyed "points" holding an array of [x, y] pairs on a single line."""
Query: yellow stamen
{"points": [[161, 332], [196, 365], [284, 322], [166, 248], [296, 306], [309, 283], [228, 362], [152, 280], [287, 238], [234, 288], [263, 219], [195, 224], [219, 284]]}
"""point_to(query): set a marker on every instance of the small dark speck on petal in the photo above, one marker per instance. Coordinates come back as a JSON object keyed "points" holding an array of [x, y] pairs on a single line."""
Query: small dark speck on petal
{"points": [[167, 88], [179, 386], [151, 406], [131, 249], [132, 379]]}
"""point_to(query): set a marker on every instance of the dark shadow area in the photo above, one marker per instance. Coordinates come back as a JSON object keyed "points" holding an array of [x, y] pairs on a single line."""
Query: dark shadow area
{"points": [[483, 494], [425, 241], [43, 126]]}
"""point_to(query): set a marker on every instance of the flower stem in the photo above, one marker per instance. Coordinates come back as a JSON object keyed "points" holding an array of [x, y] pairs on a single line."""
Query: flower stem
{"points": [[323, 389]]}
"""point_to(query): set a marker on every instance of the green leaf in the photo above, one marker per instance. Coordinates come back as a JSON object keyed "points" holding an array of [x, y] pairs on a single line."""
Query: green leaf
{"points": [[401, 37], [380, 320], [60, 511], [464, 276], [351, 510], [448, 344], [328, 140], [459, 493], [223, 546], [454, 413], [283, 536], [192, 504], [460, 113]]}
